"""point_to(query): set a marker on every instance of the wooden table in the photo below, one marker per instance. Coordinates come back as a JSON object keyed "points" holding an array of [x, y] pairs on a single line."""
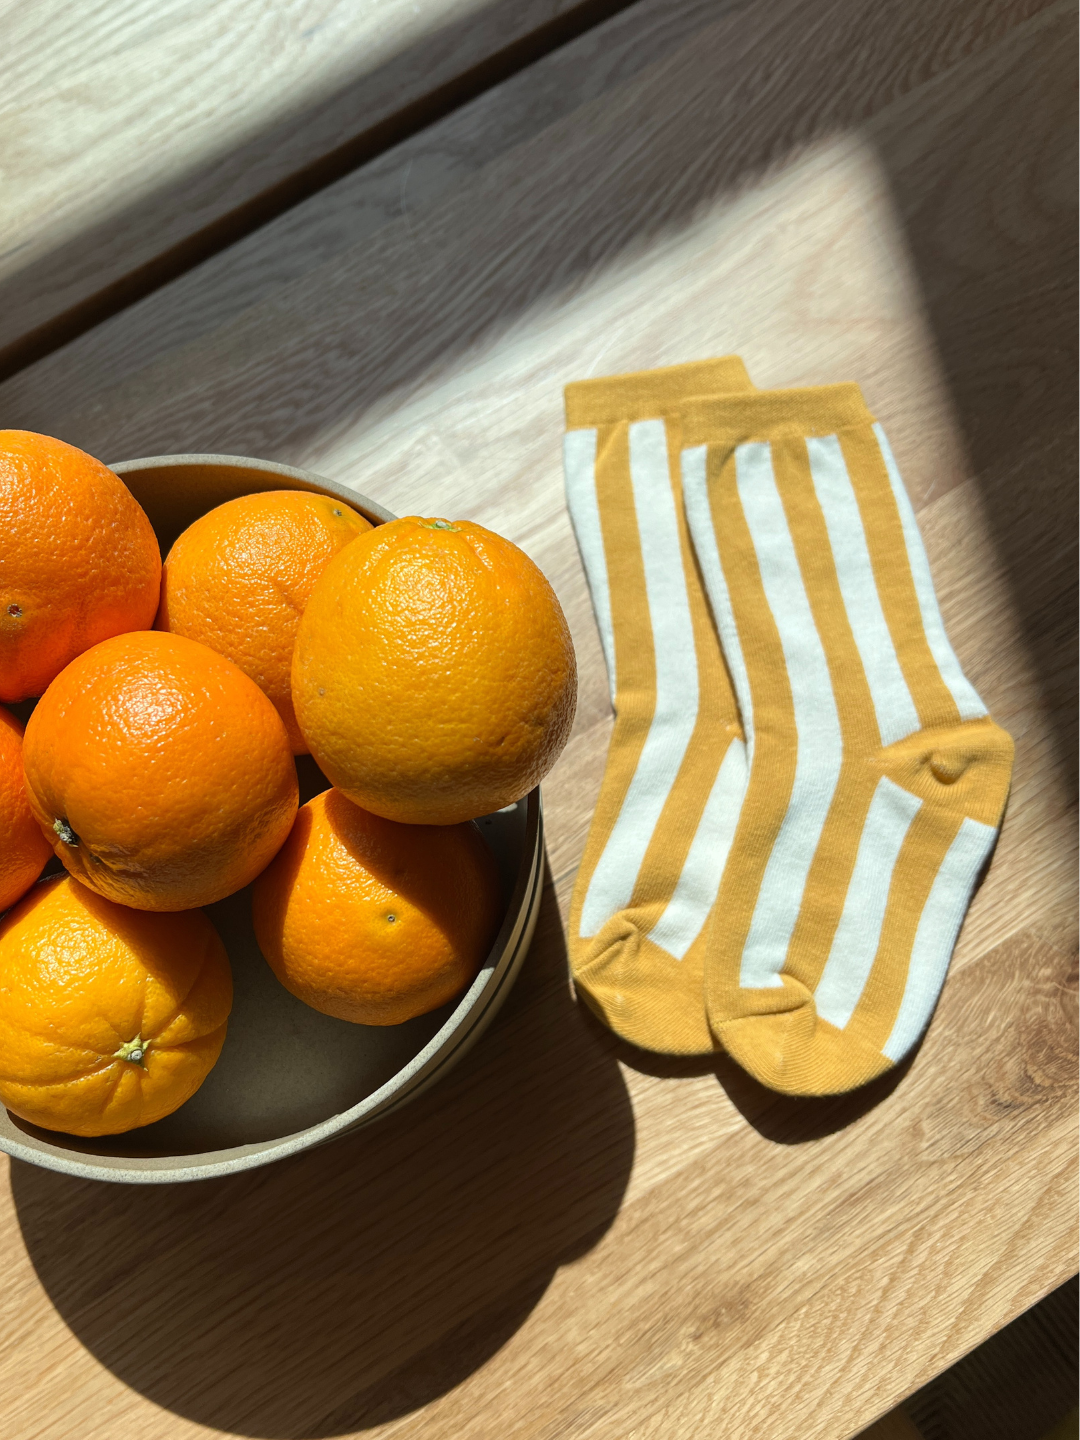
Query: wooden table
{"points": [[569, 1237]]}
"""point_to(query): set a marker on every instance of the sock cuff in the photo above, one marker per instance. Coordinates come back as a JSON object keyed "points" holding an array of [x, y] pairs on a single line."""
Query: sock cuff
{"points": [[772, 414], [648, 394]]}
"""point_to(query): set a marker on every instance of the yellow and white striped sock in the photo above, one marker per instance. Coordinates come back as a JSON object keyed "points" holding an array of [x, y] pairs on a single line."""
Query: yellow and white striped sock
{"points": [[676, 765], [876, 778]]}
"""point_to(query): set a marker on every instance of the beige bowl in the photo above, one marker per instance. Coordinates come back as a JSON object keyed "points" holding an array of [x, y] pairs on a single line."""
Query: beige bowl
{"points": [[290, 1078]]}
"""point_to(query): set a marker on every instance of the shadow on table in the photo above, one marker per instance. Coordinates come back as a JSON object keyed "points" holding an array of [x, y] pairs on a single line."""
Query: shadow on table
{"points": [[991, 233], [334, 123], [784, 1119], [359, 1282]]}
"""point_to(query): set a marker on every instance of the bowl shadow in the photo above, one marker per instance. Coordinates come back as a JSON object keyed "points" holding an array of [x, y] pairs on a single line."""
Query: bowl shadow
{"points": [[354, 1284]]}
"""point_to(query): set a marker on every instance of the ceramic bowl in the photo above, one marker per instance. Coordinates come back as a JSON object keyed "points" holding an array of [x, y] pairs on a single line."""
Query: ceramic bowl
{"points": [[288, 1077]]}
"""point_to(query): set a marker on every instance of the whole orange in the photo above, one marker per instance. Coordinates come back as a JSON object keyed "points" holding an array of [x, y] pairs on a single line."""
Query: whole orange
{"points": [[434, 676], [162, 771], [239, 577], [79, 560], [23, 849], [109, 1017], [372, 921]]}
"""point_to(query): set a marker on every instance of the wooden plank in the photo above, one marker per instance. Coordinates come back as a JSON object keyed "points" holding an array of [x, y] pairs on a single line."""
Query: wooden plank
{"points": [[1017, 1385], [135, 139], [569, 1236], [412, 175]]}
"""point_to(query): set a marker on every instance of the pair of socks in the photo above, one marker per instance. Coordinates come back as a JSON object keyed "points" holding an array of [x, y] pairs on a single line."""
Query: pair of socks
{"points": [[802, 788]]}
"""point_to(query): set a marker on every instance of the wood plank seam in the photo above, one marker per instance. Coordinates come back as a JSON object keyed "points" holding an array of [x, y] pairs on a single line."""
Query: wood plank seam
{"points": [[301, 185]]}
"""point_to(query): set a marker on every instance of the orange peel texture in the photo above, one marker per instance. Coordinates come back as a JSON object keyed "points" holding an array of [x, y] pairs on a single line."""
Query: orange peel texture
{"points": [[162, 773], [238, 579], [110, 1018], [79, 560], [373, 921], [434, 676]]}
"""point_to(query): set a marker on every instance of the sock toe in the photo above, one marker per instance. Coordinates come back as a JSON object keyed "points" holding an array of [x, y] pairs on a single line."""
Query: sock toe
{"points": [[796, 1052], [641, 993]]}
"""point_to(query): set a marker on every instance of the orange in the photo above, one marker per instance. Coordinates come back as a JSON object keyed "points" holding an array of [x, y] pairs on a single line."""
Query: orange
{"points": [[239, 577], [109, 1017], [162, 771], [79, 560], [24, 851], [372, 921], [434, 676]]}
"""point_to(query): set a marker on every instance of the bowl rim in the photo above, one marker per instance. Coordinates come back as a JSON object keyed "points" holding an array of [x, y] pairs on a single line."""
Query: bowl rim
{"points": [[369, 508]]}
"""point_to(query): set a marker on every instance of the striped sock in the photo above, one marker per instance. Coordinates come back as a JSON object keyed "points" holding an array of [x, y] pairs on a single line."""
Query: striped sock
{"points": [[876, 778], [676, 765]]}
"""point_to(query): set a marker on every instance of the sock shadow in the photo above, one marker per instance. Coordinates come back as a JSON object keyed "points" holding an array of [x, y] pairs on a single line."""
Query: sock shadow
{"points": [[785, 1119], [356, 1283], [795, 1119]]}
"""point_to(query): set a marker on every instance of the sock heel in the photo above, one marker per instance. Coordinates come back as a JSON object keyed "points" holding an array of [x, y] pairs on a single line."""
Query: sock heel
{"points": [[964, 769]]}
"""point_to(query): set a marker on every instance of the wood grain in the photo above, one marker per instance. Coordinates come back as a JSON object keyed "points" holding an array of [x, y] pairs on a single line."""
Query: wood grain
{"points": [[569, 1237], [1016, 1386], [136, 138], [409, 178]]}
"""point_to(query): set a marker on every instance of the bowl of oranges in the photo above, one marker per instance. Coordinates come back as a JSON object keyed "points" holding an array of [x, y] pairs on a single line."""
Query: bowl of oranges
{"points": [[273, 844]]}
